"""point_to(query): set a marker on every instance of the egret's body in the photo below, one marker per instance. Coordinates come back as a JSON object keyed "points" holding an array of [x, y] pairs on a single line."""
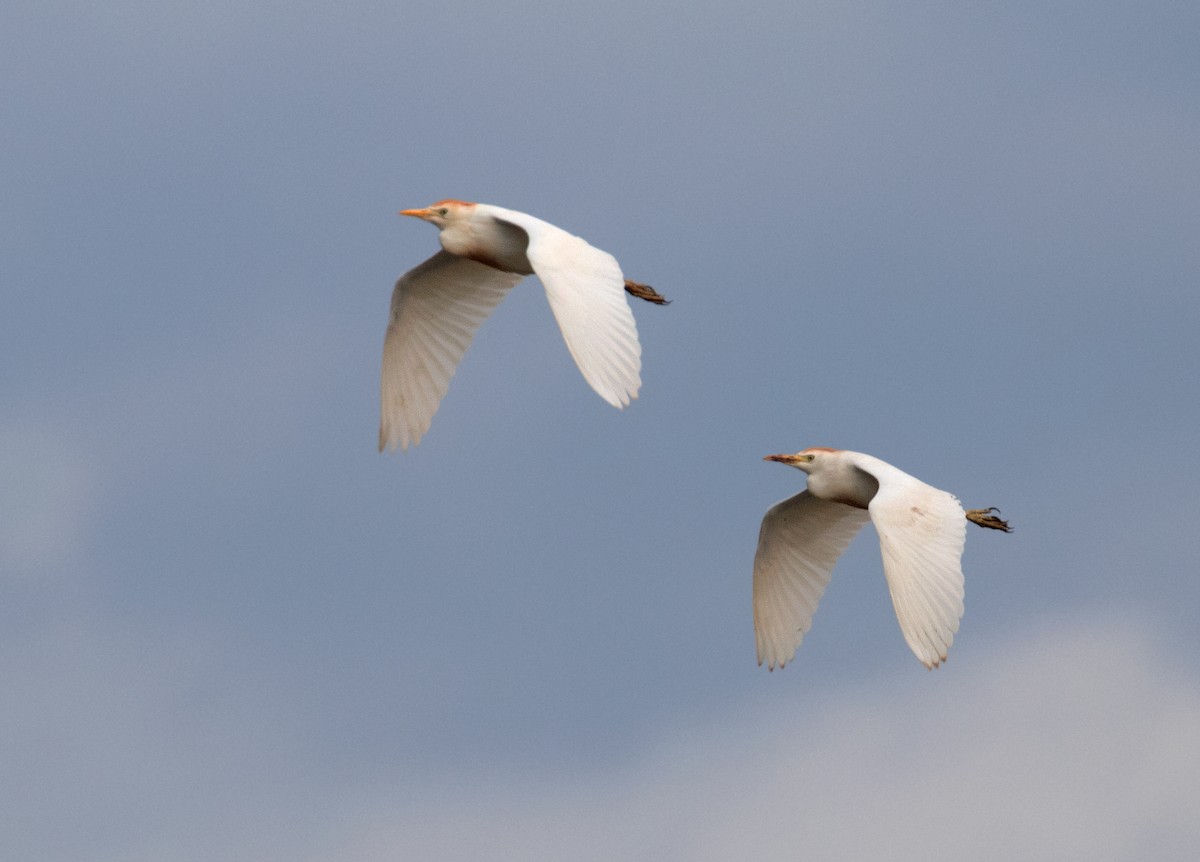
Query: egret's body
{"points": [[486, 250], [922, 531]]}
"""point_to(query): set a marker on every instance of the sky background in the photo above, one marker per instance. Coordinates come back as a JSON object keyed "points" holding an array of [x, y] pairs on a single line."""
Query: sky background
{"points": [[963, 239]]}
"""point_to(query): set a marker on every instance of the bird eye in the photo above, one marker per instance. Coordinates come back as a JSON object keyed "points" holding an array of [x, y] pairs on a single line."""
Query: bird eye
{"points": [[444, 211]]}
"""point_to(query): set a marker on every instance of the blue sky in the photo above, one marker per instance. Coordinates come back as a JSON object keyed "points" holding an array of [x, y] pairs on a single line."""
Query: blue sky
{"points": [[960, 239]]}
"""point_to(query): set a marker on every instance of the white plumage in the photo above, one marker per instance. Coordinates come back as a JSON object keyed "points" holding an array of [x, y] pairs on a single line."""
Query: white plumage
{"points": [[438, 305], [922, 531]]}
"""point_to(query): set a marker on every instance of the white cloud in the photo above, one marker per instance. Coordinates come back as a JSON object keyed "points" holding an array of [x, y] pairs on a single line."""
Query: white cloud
{"points": [[1077, 742], [1073, 740]]}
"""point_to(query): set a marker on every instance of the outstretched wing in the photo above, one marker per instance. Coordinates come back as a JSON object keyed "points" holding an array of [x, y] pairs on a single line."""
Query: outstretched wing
{"points": [[800, 540], [922, 531], [587, 295], [436, 309]]}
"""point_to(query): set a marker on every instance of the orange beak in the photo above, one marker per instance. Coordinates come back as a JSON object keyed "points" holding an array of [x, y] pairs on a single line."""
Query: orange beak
{"points": [[790, 460], [422, 213]]}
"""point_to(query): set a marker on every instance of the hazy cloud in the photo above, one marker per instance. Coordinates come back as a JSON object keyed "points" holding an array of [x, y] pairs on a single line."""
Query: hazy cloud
{"points": [[1073, 740]]}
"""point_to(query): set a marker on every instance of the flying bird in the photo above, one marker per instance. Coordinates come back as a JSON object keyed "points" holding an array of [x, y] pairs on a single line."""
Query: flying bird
{"points": [[486, 250], [921, 530]]}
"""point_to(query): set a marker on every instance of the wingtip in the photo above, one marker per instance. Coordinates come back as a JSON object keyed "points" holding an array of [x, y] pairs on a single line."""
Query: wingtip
{"points": [[772, 663], [389, 444], [617, 398], [935, 663]]}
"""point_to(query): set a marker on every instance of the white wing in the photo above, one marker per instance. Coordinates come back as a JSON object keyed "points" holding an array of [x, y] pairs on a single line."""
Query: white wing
{"points": [[800, 540], [436, 308], [587, 295], [922, 531]]}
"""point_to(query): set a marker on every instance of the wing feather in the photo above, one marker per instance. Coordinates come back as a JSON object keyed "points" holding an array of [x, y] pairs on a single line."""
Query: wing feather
{"points": [[436, 309], [586, 291], [800, 540], [922, 532]]}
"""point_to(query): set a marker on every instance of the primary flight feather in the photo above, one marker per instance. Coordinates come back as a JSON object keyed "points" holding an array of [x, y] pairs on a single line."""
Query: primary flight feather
{"points": [[438, 305]]}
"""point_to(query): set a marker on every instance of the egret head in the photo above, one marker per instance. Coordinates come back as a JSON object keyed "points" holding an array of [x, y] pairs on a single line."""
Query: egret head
{"points": [[442, 213], [808, 460]]}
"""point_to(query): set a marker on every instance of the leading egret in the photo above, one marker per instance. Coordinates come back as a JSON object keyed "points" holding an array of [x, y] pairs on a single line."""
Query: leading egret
{"points": [[486, 250], [921, 534]]}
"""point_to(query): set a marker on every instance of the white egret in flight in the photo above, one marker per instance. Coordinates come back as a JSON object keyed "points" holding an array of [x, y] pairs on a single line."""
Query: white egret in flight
{"points": [[486, 250], [921, 534]]}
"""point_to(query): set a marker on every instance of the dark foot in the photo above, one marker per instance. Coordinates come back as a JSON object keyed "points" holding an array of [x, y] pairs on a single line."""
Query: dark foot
{"points": [[985, 518], [646, 292]]}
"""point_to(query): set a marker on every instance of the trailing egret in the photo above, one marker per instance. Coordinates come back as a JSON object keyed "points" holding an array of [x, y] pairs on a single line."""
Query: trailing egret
{"points": [[921, 533]]}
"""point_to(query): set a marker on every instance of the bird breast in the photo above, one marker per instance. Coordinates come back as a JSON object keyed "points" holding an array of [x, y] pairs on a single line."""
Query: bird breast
{"points": [[498, 244]]}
